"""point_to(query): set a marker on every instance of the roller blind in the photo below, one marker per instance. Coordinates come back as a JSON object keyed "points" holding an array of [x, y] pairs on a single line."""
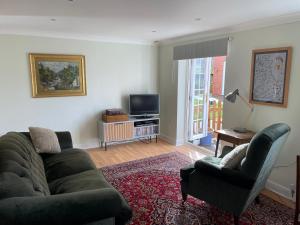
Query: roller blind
{"points": [[201, 50]]}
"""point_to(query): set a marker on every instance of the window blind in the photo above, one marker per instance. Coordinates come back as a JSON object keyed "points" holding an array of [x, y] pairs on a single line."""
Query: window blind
{"points": [[201, 50]]}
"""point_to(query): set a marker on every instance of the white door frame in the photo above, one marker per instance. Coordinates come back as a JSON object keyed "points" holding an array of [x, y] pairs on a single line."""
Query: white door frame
{"points": [[190, 99]]}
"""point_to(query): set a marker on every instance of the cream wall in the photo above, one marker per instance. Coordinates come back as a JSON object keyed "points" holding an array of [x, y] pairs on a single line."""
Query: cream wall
{"points": [[112, 70], [238, 76], [168, 85]]}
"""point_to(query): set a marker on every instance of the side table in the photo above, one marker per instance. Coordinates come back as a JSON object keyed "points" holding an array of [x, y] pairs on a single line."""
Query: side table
{"points": [[233, 137]]}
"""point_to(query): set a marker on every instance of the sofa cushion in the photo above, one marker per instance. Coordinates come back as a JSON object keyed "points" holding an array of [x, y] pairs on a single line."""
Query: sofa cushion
{"points": [[87, 180], [18, 158], [68, 162], [44, 140], [233, 159]]}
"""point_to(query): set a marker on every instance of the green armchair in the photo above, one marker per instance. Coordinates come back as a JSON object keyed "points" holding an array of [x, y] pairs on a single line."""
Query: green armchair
{"points": [[234, 189]]}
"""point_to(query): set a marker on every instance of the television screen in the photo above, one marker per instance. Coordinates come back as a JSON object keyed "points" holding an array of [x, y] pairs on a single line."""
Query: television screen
{"points": [[144, 104]]}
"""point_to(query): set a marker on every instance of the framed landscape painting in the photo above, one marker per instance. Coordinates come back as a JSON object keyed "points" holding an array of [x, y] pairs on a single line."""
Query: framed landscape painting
{"points": [[270, 75], [57, 75]]}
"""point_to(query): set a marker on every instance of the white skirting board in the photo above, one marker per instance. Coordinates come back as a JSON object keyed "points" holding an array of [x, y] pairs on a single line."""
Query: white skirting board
{"points": [[280, 189], [93, 143], [179, 142], [170, 140], [167, 139]]}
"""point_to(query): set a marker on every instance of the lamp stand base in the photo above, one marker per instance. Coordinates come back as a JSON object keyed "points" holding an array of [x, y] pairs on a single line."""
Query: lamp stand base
{"points": [[240, 129]]}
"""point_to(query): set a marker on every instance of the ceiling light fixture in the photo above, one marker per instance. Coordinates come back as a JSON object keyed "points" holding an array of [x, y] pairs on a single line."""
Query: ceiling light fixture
{"points": [[197, 19], [154, 31]]}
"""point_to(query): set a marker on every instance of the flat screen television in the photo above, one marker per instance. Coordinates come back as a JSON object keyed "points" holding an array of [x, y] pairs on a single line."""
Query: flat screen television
{"points": [[144, 105]]}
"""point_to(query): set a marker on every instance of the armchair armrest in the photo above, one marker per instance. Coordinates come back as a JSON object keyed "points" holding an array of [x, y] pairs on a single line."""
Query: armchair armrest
{"points": [[186, 171], [71, 208], [231, 176]]}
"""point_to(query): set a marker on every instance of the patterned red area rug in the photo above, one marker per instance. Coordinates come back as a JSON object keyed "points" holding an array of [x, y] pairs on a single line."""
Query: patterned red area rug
{"points": [[151, 187]]}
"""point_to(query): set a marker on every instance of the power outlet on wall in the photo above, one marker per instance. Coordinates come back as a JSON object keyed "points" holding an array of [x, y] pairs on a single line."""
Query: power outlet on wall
{"points": [[292, 189]]}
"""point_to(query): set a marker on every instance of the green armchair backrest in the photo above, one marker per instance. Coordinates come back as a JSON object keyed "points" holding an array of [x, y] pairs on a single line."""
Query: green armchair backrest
{"points": [[263, 150]]}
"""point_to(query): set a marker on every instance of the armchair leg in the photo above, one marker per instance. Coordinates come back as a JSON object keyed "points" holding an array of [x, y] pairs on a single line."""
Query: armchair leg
{"points": [[184, 196], [236, 220], [257, 200]]}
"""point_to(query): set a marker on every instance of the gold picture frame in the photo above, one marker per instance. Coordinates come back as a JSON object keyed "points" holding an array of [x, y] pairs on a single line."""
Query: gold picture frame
{"points": [[270, 76], [57, 75]]}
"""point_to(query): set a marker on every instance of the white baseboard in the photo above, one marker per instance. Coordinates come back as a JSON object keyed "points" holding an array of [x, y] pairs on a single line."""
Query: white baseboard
{"points": [[167, 139], [92, 143], [180, 142], [279, 189], [86, 146], [97, 145]]}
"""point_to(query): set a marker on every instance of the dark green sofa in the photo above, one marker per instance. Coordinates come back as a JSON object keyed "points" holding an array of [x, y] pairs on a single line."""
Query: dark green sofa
{"points": [[64, 188]]}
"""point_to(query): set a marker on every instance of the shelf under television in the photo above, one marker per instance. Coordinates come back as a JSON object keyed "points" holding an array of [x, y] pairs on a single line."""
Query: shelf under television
{"points": [[144, 136]]}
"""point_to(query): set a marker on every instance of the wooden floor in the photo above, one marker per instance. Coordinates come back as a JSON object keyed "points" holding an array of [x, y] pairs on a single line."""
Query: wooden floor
{"points": [[138, 150]]}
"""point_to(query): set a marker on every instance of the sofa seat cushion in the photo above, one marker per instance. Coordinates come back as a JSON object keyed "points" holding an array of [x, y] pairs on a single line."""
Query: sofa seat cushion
{"points": [[68, 162], [87, 180]]}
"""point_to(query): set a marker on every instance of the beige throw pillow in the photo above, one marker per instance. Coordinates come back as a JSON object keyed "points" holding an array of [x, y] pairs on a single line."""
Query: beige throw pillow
{"points": [[44, 140], [234, 158]]}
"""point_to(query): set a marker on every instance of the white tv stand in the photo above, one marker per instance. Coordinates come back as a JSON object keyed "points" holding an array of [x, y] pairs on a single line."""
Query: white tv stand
{"points": [[133, 129]]}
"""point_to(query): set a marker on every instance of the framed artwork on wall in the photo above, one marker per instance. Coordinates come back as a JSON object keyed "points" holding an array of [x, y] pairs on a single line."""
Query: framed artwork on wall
{"points": [[55, 75], [270, 75]]}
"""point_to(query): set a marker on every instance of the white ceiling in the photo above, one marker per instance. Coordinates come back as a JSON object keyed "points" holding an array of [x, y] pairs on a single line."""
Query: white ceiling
{"points": [[133, 20]]}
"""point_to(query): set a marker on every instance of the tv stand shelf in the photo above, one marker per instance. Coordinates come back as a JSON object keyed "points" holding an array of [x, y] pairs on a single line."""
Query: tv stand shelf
{"points": [[130, 130]]}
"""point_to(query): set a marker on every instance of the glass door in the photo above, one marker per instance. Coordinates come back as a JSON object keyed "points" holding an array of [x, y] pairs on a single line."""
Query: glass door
{"points": [[199, 97]]}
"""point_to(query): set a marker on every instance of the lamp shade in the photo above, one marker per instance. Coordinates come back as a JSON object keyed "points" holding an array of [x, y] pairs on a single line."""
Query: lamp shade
{"points": [[231, 96]]}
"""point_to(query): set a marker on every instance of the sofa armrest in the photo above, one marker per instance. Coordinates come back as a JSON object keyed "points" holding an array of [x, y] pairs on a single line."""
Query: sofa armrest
{"points": [[64, 139], [231, 176], [71, 208]]}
